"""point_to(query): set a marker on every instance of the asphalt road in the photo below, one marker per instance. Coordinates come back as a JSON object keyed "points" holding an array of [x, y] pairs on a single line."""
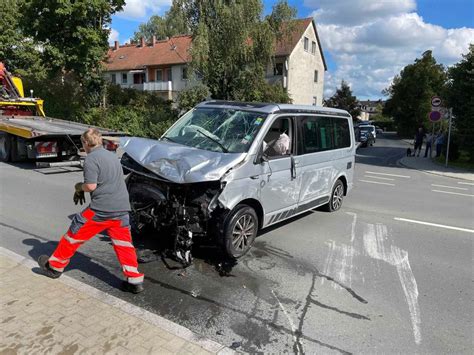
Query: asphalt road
{"points": [[366, 279]]}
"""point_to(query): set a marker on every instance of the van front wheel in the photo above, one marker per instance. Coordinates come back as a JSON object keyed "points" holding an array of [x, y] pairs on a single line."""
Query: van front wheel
{"points": [[337, 196], [240, 231]]}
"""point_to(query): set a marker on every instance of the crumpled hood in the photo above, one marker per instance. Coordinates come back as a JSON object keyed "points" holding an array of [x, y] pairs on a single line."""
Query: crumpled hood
{"points": [[179, 163]]}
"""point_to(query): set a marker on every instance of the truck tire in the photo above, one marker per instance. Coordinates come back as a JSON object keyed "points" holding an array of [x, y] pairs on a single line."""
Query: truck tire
{"points": [[5, 146], [240, 230]]}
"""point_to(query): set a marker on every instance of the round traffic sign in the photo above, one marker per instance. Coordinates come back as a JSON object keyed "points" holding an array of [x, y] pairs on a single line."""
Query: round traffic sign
{"points": [[436, 101], [435, 116]]}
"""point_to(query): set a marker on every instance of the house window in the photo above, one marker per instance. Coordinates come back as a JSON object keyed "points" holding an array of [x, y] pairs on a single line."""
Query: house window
{"points": [[315, 76], [124, 78], [169, 74], [184, 73], [313, 47], [315, 100], [278, 69], [306, 44], [159, 75], [113, 78]]}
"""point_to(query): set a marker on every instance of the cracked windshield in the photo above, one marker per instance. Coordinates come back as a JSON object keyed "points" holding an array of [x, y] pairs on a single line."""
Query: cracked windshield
{"points": [[218, 130]]}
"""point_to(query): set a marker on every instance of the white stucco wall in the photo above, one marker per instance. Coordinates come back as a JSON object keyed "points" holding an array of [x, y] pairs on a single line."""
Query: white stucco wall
{"points": [[301, 67]]}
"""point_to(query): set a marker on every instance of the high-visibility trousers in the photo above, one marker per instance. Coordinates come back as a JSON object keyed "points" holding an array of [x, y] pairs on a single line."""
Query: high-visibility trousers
{"points": [[83, 227]]}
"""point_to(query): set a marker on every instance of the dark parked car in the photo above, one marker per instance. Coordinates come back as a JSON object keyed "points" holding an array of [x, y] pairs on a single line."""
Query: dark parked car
{"points": [[366, 138]]}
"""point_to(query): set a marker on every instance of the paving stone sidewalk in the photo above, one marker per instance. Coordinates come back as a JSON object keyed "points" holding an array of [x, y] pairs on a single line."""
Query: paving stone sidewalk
{"points": [[44, 316]]}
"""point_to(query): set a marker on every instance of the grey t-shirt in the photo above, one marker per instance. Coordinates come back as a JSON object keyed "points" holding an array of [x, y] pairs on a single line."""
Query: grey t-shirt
{"points": [[103, 168]]}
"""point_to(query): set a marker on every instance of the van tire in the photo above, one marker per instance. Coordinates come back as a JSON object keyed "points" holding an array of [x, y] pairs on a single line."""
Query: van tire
{"points": [[337, 196], [240, 230], [5, 147]]}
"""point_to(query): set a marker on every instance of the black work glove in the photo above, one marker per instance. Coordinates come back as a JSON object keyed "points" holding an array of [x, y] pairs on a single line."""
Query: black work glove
{"points": [[79, 196]]}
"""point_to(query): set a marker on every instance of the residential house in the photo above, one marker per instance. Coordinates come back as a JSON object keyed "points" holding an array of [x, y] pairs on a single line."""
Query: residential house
{"points": [[161, 66], [369, 108]]}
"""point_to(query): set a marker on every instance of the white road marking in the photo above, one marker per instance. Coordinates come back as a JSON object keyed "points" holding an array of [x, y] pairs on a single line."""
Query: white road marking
{"points": [[451, 187], [374, 237], [466, 183], [435, 225], [453, 193], [292, 325], [378, 177], [402, 176], [377, 182]]}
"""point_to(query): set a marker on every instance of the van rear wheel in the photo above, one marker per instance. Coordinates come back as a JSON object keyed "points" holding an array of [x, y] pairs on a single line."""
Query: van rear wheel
{"points": [[240, 230], [337, 195]]}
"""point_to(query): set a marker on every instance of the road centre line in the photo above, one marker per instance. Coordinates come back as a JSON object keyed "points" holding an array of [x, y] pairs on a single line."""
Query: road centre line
{"points": [[402, 176], [376, 182], [453, 193], [434, 225], [378, 177], [451, 187], [466, 183]]}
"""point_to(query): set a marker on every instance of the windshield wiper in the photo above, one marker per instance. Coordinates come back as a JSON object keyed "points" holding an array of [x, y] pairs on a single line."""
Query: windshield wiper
{"points": [[168, 138], [224, 149]]}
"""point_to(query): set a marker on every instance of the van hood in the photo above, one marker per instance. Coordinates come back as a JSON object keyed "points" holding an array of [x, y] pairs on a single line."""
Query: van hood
{"points": [[179, 163]]}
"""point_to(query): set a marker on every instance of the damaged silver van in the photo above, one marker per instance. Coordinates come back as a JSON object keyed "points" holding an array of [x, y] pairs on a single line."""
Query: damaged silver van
{"points": [[225, 170]]}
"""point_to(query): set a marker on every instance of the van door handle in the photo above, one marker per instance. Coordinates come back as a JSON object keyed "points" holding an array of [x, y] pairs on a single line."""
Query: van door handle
{"points": [[255, 177]]}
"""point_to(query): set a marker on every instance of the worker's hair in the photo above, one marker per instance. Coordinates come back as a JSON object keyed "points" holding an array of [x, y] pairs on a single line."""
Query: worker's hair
{"points": [[92, 137]]}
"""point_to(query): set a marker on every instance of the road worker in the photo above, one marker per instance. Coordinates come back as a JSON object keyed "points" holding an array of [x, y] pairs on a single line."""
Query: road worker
{"points": [[108, 212]]}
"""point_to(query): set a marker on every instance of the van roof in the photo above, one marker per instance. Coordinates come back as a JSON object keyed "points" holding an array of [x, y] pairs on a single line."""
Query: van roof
{"points": [[274, 108]]}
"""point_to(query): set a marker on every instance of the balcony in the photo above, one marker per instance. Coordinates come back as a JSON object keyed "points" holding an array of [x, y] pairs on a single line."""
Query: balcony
{"points": [[150, 86]]}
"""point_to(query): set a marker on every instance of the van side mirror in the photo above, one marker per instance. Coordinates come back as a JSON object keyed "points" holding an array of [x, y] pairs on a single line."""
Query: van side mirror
{"points": [[261, 156]]}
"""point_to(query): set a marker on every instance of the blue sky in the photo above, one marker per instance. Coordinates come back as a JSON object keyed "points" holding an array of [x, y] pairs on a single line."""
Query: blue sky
{"points": [[365, 42]]}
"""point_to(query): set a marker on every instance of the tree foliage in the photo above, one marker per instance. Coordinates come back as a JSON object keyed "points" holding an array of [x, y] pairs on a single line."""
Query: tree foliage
{"points": [[460, 96], [191, 96], [73, 35], [171, 24], [232, 42], [410, 93], [343, 99]]}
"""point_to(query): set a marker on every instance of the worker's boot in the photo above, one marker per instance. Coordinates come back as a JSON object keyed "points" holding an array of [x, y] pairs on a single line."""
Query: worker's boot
{"points": [[44, 265], [133, 288]]}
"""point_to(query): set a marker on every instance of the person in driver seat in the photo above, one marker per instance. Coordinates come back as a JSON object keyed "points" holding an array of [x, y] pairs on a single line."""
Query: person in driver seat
{"points": [[276, 142]]}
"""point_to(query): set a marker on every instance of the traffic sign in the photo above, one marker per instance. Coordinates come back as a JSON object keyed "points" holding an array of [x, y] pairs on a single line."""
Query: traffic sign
{"points": [[436, 101], [435, 116]]}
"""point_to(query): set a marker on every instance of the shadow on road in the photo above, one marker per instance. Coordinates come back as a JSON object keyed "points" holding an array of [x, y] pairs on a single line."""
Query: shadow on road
{"points": [[79, 261]]}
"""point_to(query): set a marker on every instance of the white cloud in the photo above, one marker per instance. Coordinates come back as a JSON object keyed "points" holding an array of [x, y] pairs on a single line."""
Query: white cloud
{"points": [[113, 36], [370, 41], [143, 9]]}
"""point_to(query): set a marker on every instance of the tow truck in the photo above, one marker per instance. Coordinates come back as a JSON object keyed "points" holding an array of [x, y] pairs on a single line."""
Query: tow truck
{"points": [[26, 133]]}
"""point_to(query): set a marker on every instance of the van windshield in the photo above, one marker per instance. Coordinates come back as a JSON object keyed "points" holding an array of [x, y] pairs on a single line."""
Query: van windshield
{"points": [[217, 129]]}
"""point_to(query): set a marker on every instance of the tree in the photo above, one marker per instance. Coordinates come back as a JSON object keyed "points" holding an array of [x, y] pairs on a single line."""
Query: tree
{"points": [[172, 24], [344, 100], [459, 95], [73, 35], [411, 91], [190, 97], [232, 43]]}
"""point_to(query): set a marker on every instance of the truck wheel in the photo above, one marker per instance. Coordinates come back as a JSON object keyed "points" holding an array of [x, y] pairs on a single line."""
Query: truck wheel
{"points": [[240, 230], [5, 146], [337, 196]]}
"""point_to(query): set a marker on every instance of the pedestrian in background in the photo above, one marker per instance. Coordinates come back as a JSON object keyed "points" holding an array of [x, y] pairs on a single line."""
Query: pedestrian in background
{"points": [[439, 143], [429, 144], [108, 212], [418, 141]]}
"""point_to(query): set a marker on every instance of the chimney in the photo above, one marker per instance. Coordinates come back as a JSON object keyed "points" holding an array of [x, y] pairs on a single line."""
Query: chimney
{"points": [[153, 40], [142, 42], [116, 45]]}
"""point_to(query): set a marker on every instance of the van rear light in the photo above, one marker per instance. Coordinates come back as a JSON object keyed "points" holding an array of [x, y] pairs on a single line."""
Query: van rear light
{"points": [[46, 147]]}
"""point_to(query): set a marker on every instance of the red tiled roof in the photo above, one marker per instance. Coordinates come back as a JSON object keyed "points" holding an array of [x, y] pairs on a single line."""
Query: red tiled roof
{"points": [[176, 50], [166, 52]]}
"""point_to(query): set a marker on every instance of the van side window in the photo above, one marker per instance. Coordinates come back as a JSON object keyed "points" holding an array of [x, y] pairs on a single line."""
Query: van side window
{"points": [[278, 140], [324, 133]]}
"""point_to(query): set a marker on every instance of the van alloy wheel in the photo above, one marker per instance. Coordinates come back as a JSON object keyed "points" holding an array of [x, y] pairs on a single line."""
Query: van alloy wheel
{"points": [[337, 196], [241, 227], [243, 231]]}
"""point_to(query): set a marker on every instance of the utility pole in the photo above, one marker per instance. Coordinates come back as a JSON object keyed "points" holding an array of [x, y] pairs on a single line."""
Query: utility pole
{"points": [[449, 134]]}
